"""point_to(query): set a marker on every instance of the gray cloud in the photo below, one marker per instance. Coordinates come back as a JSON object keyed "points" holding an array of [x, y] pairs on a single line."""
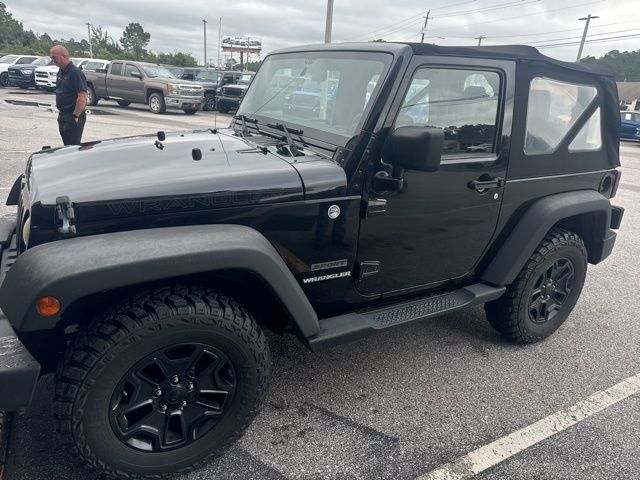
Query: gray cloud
{"points": [[178, 25]]}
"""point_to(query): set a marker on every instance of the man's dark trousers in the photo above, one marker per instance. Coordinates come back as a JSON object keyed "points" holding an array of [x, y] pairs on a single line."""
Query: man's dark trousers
{"points": [[70, 130]]}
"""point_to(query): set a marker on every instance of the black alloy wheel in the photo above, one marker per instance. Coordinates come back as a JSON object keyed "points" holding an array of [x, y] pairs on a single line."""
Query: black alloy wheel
{"points": [[551, 290], [172, 397], [161, 383], [4, 79], [209, 102], [545, 291]]}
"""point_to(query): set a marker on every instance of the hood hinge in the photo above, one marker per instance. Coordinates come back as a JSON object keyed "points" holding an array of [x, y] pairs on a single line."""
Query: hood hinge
{"points": [[64, 210]]}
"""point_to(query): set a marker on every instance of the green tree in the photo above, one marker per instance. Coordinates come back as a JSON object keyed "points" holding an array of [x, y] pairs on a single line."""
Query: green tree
{"points": [[178, 59], [134, 41]]}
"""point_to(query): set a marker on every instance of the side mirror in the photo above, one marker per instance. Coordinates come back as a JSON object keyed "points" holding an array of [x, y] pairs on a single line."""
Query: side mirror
{"points": [[415, 148], [137, 75]]}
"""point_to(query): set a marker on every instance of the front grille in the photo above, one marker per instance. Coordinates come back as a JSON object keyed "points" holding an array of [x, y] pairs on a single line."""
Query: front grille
{"points": [[232, 92], [190, 91], [42, 75]]}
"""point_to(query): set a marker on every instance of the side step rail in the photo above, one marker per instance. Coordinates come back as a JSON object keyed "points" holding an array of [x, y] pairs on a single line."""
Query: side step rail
{"points": [[351, 326]]}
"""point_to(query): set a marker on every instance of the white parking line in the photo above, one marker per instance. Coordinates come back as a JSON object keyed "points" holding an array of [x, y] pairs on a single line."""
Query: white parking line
{"points": [[492, 454]]}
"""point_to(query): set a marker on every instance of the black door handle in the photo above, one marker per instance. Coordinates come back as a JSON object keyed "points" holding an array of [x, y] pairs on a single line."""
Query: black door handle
{"points": [[486, 183]]}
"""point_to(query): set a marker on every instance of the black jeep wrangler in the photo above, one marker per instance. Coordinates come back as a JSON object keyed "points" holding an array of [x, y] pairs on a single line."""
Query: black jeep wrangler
{"points": [[143, 271]]}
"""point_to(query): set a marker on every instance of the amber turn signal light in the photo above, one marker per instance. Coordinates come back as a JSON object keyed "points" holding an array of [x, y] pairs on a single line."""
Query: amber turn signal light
{"points": [[48, 306]]}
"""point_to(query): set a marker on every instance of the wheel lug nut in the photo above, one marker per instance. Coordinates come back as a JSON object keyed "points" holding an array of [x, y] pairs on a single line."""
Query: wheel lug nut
{"points": [[190, 386], [158, 393], [175, 379], [163, 408], [184, 403]]}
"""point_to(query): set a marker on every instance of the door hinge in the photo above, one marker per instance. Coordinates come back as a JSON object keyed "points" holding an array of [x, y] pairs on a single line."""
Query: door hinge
{"points": [[64, 209], [373, 206], [367, 268]]}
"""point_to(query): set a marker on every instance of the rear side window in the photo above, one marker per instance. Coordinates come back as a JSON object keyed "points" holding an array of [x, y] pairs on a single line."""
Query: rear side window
{"points": [[464, 103], [553, 108], [116, 69]]}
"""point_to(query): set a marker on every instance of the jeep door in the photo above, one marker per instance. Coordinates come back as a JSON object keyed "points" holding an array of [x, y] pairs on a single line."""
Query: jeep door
{"points": [[436, 228]]}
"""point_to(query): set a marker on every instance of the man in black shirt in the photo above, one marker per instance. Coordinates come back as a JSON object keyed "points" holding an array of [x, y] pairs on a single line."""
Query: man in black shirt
{"points": [[71, 96]]}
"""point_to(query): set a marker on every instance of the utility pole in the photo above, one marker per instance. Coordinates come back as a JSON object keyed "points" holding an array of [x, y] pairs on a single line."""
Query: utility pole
{"points": [[327, 30], [584, 34], [90, 45], [204, 24], [424, 29], [219, 39], [480, 38]]}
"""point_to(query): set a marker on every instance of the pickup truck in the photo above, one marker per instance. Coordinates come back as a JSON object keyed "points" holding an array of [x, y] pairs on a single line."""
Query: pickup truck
{"points": [[137, 82]]}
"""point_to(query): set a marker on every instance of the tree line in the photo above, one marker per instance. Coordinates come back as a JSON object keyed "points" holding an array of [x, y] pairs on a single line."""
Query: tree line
{"points": [[132, 45]]}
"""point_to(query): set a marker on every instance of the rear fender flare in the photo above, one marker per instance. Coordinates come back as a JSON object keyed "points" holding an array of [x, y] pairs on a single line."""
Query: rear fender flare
{"points": [[537, 220]]}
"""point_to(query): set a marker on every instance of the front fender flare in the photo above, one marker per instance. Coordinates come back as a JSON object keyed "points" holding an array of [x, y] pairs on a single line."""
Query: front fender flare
{"points": [[74, 268]]}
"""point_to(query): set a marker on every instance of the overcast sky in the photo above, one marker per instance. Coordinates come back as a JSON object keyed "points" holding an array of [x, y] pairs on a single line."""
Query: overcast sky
{"points": [[550, 25]]}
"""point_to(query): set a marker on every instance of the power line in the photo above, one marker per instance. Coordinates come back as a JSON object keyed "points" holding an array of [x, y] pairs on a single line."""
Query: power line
{"points": [[589, 36], [602, 25], [517, 3], [597, 40]]}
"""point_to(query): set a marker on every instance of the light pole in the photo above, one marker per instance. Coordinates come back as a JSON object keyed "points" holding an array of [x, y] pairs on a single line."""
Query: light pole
{"points": [[327, 31], [90, 46], [204, 24], [219, 39], [584, 34], [480, 38]]}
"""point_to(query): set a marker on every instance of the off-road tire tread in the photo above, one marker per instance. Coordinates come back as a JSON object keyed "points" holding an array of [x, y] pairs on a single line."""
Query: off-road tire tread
{"points": [[503, 313], [151, 309]]}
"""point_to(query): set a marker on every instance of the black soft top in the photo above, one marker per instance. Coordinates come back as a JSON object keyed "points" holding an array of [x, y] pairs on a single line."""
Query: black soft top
{"points": [[518, 53]]}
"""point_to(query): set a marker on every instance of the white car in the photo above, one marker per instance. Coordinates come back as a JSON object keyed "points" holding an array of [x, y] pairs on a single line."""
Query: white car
{"points": [[46, 76], [10, 60]]}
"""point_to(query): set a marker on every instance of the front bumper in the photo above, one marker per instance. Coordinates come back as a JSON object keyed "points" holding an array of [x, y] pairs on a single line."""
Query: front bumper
{"points": [[229, 102], [184, 102], [46, 82], [19, 371], [21, 80]]}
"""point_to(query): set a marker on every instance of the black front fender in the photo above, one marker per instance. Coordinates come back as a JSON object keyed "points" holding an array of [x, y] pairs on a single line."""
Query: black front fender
{"points": [[74, 268]]}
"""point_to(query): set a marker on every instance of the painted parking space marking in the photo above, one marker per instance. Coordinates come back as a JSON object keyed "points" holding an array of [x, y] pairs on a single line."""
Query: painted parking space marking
{"points": [[495, 452]]}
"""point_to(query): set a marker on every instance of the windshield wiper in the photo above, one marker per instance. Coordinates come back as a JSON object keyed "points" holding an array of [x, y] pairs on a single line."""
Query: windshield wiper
{"points": [[289, 142]]}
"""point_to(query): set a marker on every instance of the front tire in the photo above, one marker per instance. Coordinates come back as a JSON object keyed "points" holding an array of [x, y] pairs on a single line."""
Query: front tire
{"points": [[162, 383], [209, 102], [156, 103], [545, 291], [4, 79], [92, 98]]}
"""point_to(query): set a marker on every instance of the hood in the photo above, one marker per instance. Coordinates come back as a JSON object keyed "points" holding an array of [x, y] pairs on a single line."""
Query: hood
{"points": [[133, 176], [23, 67]]}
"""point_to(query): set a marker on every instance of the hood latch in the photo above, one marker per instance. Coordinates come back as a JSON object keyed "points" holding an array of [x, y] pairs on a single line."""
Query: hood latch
{"points": [[64, 210]]}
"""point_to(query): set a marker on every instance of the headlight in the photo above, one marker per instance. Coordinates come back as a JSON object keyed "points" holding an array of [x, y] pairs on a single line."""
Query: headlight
{"points": [[26, 230], [25, 72], [174, 90]]}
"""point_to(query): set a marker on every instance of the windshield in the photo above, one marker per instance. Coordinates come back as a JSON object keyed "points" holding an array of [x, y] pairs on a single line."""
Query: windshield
{"points": [[159, 72], [42, 61], [209, 75], [8, 59], [327, 91]]}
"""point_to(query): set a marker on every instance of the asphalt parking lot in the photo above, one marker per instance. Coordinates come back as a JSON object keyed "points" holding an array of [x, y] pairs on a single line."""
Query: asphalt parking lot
{"points": [[415, 401]]}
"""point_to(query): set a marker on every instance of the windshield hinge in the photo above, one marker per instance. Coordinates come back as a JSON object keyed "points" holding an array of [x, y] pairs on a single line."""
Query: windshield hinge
{"points": [[64, 210]]}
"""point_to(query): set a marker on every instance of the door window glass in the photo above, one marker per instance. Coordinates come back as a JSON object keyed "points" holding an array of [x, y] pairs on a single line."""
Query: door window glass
{"points": [[116, 69], [553, 108], [463, 103], [129, 70]]}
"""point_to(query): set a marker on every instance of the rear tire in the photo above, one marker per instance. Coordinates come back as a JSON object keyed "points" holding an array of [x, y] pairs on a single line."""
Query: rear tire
{"points": [[123, 103], [92, 98], [156, 103], [4, 79], [162, 383], [545, 291], [190, 111]]}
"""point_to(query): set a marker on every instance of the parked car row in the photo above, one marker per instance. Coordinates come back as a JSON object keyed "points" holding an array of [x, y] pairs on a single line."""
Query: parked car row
{"points": [[630, 125], [158, 86]]}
